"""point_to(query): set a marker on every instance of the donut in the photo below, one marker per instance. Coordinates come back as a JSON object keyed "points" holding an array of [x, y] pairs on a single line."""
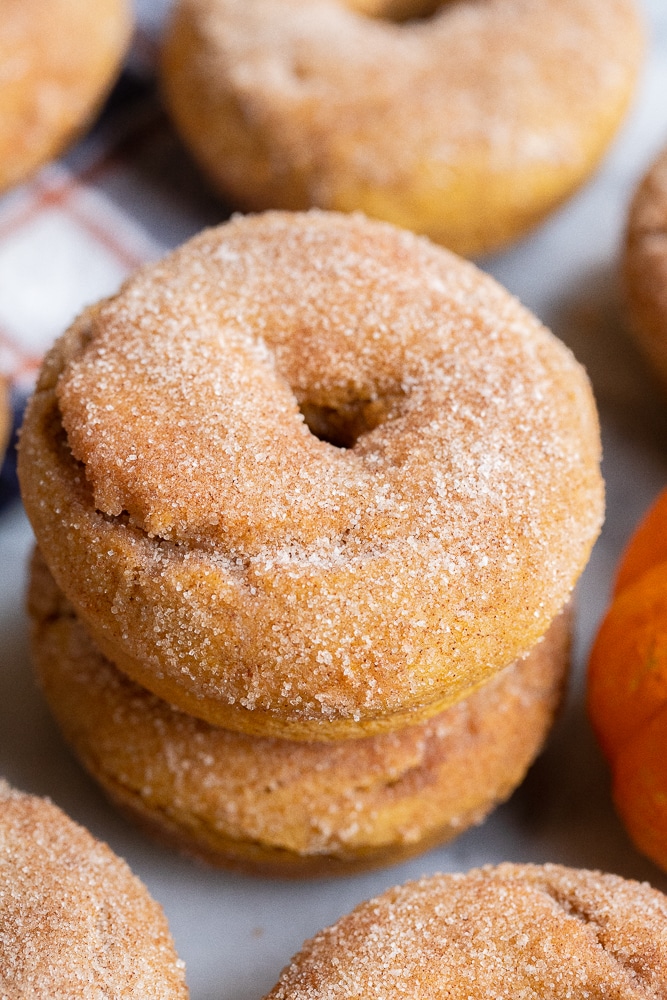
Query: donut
{"points": [[75, 921], [55, 71], [523, 931], [468, 126], [292, 808], [312, 469], [645, 266]]}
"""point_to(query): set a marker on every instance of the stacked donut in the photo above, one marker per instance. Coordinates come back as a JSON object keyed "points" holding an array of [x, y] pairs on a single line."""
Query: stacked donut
{"points": [[311, 496]]}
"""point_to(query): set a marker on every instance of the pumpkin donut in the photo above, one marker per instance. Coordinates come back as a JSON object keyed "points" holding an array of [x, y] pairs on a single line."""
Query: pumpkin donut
{"points": [[292, 808], [645, 266], [528, 931], [56, 66], [312, 469], [468, 126], [75, 921]]}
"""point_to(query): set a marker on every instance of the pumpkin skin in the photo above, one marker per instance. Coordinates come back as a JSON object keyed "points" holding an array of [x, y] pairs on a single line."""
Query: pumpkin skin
{"points": [[627, 685], [647, 546]]}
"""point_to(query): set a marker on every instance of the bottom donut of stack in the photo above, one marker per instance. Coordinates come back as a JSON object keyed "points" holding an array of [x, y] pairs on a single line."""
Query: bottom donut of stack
{"points": [[277, 807]]}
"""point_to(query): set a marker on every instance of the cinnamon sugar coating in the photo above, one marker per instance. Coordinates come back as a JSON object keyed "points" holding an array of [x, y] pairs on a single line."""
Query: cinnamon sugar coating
{"points": [[514, 932], [467, 126], [74, 920], [292, 808], [54, 73], [250, 572], [645, 266]]}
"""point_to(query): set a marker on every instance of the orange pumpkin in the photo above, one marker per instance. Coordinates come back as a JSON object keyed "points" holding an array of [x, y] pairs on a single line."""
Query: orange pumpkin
{"points": [[627, 685], [647, 547]]}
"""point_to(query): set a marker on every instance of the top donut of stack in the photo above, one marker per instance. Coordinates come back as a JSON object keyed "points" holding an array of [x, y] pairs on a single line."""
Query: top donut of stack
{"points": [[312, 476]]}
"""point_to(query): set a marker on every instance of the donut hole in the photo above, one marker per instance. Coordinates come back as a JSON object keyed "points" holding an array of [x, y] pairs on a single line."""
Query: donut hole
{"points": [[397, 11], [343, 424], [302, 70]]}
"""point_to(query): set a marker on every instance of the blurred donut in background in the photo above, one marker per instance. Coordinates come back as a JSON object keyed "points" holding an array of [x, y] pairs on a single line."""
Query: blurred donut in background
{"points": [[645, 266], [57, 63], [468, 125]]}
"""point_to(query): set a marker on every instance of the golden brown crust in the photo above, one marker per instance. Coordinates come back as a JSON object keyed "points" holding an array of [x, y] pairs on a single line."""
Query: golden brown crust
{"points": [[645, 266], [527, 931], [54, 72], [292, 808], [468, 127], [261, 578], [75, 921]]}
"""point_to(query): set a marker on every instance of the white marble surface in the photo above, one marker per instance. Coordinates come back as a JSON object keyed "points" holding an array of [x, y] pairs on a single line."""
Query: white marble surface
{"points": [[235, 933]]}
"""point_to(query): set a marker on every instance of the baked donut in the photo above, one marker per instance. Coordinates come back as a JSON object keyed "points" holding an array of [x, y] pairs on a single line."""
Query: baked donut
{"points": [[522, 931], [312, 469], [75, 921], [55, 69], [645, 266], [292, 808], [469, 126]]}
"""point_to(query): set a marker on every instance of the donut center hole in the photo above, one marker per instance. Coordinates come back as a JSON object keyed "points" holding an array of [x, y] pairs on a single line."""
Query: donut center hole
{"points": [[343, 424], [397, 11]]}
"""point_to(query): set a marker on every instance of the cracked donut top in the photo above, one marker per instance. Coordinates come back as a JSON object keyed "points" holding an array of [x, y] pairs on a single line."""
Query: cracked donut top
{"points": [[75, 922], [372, 474], [525, 932]]}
